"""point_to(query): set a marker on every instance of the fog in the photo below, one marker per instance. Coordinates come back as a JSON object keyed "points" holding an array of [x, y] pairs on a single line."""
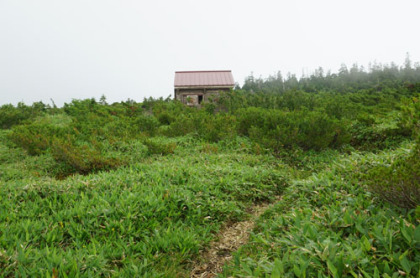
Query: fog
{"points": [[63, 50]]}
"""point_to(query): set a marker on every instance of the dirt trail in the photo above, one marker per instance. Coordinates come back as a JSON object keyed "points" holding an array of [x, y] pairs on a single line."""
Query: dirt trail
{"points": [[229, 239]]}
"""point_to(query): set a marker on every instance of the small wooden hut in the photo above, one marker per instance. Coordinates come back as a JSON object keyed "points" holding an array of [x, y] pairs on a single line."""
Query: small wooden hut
{"points": [[194, 87]]}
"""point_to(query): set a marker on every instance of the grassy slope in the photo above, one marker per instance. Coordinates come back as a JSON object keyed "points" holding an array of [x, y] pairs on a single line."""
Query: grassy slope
{"points": [[149, 219], [329, 225]]}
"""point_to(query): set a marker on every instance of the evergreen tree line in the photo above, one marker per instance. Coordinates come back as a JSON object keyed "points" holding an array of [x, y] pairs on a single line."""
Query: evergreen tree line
{"points": [[347, 79]]}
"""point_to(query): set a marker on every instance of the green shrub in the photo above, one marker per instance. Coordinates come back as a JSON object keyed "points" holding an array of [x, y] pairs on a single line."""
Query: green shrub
{"points": [[247, 118], [410, 117], [214, 128], [277, 129], [165, 118], [155, 147], [36, 138], [80, 108], [120, 129], [72, 159], [210, 107], [369, 133], [183, 125], [11, 115], [364, 134], [147, 124], [34, 143], [398, 183]]}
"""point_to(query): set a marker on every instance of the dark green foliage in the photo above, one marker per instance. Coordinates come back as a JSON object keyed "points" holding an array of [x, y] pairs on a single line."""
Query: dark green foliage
{"points": [[214, 128], [11, 116], [410, 116], [76, 144], [30, 139], [378, 77], [278, 129], [165, 119], [183, 125], [36, 137], [72, 159], [365, 135], [210, 107], [247, 118], [210, 127], [147, 124], [156, 147], [167, 111], [398, 183]]}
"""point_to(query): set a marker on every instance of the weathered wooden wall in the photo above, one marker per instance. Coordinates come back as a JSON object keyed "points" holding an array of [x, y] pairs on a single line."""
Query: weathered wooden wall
{"points": [[191, 96]]}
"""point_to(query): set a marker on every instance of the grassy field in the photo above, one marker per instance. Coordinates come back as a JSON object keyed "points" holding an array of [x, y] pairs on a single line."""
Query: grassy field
{"points": [[147, 219], [144, 189], [329, 224], [151, 218]]}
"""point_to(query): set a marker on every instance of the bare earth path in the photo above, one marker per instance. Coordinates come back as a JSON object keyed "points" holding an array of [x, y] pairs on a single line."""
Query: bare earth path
{"points": [[229, 239]]}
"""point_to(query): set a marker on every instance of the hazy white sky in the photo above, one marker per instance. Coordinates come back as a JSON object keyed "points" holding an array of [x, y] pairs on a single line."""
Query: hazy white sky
{"points": [[60, 50]]}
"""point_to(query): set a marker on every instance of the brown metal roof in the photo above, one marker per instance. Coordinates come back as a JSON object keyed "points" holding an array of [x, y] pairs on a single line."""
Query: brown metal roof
{"points": [[204, 78]]}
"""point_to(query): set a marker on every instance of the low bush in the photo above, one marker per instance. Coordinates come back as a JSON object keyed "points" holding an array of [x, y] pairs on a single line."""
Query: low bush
{"points": [[11, 115], [36, 138], [72, 159], [410, 116], [34, 142], [364, 134], [277, 129], [155, 147], [377, 133], [214, 128], [165, 118], [147, 124], [247, 118], [210, 127], [398, 183], [183, 125]]}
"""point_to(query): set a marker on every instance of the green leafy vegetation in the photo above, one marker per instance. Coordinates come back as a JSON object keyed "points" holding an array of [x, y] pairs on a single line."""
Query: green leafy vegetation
{"points": [[399, 182], [138, 189], [329, 225]]}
